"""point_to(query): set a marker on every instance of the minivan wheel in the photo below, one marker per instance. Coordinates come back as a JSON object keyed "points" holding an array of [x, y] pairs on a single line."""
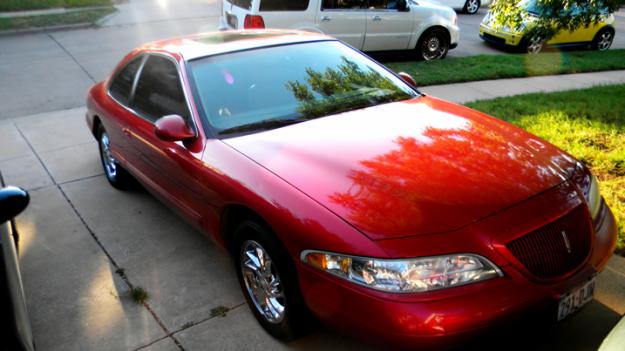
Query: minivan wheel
{"points": [[433, 45], [603, 40], [471, 6], [269, 282], [114, 172]]}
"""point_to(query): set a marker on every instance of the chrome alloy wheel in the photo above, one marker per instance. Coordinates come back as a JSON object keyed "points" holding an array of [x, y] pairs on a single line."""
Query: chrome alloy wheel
{"points": [[605, 41], [109, 162], [432, 48], [262, 282], [535, 45], [472, 6]]}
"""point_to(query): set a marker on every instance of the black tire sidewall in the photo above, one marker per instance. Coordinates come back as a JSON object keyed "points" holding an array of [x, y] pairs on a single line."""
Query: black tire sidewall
{"points": [[296, 319], [442, 35], [595, 40]]}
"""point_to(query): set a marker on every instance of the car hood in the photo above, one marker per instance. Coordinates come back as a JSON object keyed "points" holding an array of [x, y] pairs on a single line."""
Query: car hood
{"points": [[409, 168]]}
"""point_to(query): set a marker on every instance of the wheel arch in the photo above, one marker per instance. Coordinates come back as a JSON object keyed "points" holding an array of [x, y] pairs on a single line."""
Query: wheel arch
{"points": [[96, 124], [231, 216], [427, 30]]}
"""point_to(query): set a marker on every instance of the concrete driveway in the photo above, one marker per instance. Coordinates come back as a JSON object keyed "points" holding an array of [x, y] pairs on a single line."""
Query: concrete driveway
{"points": [[85, 244]]}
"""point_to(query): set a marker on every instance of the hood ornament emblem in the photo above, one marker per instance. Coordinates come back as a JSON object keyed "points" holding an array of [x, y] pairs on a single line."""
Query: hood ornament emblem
{"points": [[567, 242]]}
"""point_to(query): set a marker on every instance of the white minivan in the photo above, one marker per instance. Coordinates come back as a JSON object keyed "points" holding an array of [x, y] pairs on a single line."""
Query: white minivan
{"points": [[427, 28]]}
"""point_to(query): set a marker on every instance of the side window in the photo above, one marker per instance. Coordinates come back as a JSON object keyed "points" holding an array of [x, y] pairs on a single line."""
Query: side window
{"points": [[343, 4], [284, 5], [122, 84], [159, 92], [383, 4]]}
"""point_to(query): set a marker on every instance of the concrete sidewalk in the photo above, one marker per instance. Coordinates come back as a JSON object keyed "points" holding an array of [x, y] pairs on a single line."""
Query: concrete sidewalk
{"points": [[489, 89]]}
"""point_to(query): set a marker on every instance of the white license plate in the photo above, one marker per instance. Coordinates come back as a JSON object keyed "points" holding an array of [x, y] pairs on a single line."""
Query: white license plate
{"points": [[576, 298]]}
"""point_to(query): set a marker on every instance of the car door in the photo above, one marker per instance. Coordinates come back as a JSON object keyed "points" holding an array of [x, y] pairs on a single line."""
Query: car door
{"points": [[119, 114], [170, 168], [343, 19], [388, 28]]}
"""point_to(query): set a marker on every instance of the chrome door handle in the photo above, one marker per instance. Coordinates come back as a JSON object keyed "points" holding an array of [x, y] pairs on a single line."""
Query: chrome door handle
{"points": [[325, 19], [377, 18]]}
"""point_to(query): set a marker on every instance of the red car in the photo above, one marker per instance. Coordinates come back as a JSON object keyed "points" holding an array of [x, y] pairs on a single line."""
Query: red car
{"points": [[347, 196]]}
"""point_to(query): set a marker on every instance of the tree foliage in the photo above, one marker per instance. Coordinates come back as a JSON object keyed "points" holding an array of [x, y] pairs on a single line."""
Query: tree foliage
{"points": [[552, 16]]}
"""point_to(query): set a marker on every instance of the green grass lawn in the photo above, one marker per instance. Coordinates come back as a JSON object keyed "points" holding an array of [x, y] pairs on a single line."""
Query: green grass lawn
{"points": [[20, 5], [483, 67], [87, 16], [589, 124]]}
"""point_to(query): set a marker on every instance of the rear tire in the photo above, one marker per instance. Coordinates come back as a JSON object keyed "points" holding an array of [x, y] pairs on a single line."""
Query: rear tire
{"points": [[534, 45], [269, 282], [433, 45], [117, 176], [603, 39], [471, 7]]}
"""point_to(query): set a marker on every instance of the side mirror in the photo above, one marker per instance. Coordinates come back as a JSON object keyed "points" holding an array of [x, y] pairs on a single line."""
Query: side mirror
{"points": [[407, 78], [13, 201], [402, 6], [173, 128]]}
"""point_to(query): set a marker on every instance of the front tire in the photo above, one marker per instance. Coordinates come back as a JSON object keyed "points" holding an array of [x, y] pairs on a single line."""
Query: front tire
{"points": [[269, 282], [471, 7], [433, 45], [603, 40], [117, 176]]}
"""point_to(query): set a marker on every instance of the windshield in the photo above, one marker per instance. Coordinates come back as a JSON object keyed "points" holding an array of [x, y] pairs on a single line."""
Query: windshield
{"points": [[270, 87]]}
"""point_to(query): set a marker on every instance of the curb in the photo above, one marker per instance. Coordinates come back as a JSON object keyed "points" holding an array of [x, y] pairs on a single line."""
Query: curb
{"points": [[11, 32]]}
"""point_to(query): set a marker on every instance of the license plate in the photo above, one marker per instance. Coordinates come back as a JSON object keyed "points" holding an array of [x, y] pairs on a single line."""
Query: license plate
{"points": [[576, 298], [232, 20]]}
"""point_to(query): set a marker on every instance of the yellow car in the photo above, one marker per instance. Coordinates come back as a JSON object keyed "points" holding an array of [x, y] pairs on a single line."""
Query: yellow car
{"points": [[599, 36]]}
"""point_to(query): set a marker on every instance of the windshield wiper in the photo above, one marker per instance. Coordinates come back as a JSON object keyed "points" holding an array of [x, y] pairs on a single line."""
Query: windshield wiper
{"points": [[262, 125]]}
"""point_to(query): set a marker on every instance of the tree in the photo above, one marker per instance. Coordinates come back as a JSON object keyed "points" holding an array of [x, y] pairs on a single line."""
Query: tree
{"points": [[552, 16]]}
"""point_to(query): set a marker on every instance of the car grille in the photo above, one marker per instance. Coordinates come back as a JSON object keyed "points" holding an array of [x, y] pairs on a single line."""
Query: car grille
{"points": [[495, 39], [557, 248]]}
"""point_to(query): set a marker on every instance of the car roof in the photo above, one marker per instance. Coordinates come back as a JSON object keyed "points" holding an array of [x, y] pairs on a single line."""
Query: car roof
{"points": [[214, 43]]}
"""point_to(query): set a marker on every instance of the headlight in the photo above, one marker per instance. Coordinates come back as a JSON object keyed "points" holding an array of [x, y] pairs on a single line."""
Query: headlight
{"points": [[593, 197], [405, 275]]}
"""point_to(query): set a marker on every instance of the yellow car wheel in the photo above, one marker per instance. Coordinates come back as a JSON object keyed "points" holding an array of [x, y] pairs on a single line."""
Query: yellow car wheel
{"points": [[603, 39], [534, 45]]}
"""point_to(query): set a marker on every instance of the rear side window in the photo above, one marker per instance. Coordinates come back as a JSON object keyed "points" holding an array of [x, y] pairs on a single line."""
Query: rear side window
{"points": [[244, 4], [284, 5], [343, 4], [159, 92], [122, 84]]}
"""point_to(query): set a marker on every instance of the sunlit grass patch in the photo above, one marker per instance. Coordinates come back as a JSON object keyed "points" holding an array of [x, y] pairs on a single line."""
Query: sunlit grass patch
{"points": [[589, 124]]}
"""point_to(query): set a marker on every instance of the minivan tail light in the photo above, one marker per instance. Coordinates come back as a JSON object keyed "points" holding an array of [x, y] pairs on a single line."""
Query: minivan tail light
{"points": [[254, 22]]}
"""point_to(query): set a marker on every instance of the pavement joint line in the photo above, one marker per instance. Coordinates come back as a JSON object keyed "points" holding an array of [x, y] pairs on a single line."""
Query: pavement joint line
{"points": [[97, 240], [616, 271], [72, 57], [68, 147], [152, 343], [193, 324]]}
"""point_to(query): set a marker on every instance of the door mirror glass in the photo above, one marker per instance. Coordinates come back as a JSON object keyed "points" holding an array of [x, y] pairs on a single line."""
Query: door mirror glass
{"points": [[13, 201], [173, 128], [407, 78]]}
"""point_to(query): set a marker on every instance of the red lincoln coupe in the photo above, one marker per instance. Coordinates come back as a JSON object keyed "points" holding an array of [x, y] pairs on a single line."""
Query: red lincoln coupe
{"points": [[346, 195]]}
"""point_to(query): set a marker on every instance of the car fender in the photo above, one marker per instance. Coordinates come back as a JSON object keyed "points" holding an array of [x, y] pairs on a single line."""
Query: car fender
{"points": [[421, 28]]}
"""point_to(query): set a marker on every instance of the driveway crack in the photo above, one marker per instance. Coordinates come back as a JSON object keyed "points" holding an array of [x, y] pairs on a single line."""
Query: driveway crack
{"points": [[72, 57]]}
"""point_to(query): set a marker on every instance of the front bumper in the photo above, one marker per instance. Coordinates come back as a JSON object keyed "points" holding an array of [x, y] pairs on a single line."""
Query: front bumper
{"points": [[448, 317], [499, 37]]}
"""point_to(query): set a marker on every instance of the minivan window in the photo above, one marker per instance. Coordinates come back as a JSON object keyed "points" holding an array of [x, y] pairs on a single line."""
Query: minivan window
{"points": [[266, 88], [122, 84], [159, 92], [244, 4], [343, 4], [284, 5]]}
